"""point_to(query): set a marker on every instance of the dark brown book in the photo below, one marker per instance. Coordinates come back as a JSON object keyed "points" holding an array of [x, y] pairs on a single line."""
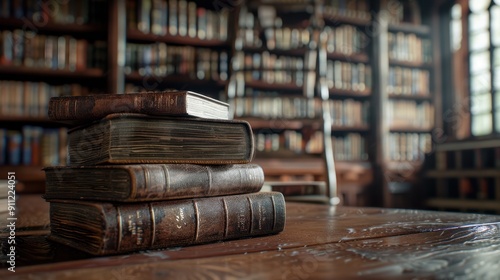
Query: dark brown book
{"points": [[105, 228], [148, 182], [85, 108], [135, 138]]}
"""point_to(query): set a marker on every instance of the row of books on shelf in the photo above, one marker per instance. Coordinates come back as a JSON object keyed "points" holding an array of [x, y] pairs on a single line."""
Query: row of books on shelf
{"points": [[357, 9], [349, 112], [161, 59], [401, 113], [467, 188], [263, 28], [408, 81], [60, 12], [33, 145], [27, 48], [31, 99], [269, 105], [408, 146], [289, 140], [177, 18], [273, 81], [473, 158], [344, 39], [409, 47], [265, 60], [401, 11], [348, 76], [350, 147]]}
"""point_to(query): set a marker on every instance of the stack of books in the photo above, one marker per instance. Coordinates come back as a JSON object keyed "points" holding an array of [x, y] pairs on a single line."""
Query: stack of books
{"points": [[155, 170]]}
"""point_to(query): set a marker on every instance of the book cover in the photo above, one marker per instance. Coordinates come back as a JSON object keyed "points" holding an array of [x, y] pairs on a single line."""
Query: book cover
{"points": [[86, 108], [105, 228], [151, 182], [136, 138]]}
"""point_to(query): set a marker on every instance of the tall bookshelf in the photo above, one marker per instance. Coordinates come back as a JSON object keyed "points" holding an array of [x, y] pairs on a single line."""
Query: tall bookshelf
{"points": [[47, 50], [407, 98], [317, 79], [273, 86]]}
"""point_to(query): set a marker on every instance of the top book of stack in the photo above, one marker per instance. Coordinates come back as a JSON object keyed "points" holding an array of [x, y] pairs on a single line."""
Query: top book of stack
{"points": [[81, 109]]}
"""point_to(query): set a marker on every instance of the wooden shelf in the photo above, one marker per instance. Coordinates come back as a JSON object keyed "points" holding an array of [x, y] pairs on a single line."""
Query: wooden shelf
{"points": [[353, 58], [31, 120], [410, 64], [349, 93], [27, 72], [462, 173], [289, 52], [292, 124], [422, 30], [138, 36], [50, 27], [350, 128], [449, 203], [268, 86], [416, 97], [410, 129], [292, 166], [24, 173], [337, 19], [173, 79]]}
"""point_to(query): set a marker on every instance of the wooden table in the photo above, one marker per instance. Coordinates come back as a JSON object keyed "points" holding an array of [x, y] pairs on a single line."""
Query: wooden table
{"points": [[319, 242]]}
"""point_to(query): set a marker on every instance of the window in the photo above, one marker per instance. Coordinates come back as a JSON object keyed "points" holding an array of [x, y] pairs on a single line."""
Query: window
{"points": [[484, 66]]}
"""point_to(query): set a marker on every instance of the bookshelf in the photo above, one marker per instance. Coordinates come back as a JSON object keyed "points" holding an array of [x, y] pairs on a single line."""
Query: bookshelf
{"points": [[463, 176], [47, 50], [176, 44], [407, 97], [317, 80]]}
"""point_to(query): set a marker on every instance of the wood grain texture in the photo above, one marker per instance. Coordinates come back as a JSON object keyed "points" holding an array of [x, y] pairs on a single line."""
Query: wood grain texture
{"points": [[319, 242]]}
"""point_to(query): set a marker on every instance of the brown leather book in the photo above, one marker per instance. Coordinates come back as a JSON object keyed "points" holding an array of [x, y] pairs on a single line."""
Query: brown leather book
{"points": [[136, 138], [85, 108], [105, 228], [148, 182]]}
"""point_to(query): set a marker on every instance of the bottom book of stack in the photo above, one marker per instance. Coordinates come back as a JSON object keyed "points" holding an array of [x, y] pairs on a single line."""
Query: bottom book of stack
{"points": [[102, 228]]}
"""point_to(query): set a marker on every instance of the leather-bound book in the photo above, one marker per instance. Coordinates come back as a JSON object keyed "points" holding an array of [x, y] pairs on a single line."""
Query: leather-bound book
{"points": [[136, 138], [85, 108], [149, 182], [102, 228]]}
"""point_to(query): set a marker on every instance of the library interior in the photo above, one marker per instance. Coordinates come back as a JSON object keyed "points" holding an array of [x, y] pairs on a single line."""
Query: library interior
{"points": [[380, 106]]}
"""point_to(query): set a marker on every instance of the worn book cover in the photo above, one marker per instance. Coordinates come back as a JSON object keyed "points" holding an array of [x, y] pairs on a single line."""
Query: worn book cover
{"points": [[137, 138], [85, 108], [101, 228], [148, 182]]}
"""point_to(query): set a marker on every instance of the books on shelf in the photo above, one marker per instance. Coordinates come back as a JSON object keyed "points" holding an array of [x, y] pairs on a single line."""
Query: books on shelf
{"points": [[31, 99], [408, 81], [410, 113], [409, 47], [408, 146], [86, 108], [161, 59], [178, 18], [350, 147], [356, 77], [33, 146], [270, 105], [289, 140], [29, 49]]}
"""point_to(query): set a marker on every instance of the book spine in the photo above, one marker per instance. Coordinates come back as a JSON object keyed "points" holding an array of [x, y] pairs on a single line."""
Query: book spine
{"points": [[91, 107], [189, 222], [183, 181]]}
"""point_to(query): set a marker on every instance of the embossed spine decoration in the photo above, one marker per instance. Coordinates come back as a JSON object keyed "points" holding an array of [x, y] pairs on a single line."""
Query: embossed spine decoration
{"points": [[104, 228], [150, 182]]}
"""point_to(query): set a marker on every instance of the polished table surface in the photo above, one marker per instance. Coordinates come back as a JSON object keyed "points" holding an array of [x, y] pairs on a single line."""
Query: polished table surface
{"points": [[319, 242]]}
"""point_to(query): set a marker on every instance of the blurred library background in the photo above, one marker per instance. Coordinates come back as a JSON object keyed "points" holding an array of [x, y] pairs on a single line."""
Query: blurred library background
{"points": [[389, 103]]}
